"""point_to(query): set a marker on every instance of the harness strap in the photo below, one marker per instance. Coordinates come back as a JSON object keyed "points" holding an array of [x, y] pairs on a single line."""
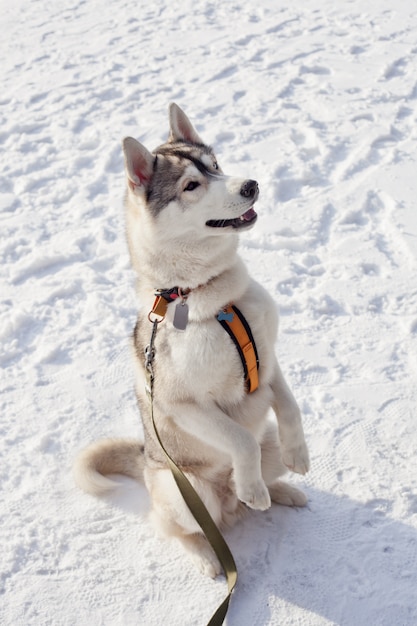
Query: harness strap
{"points": [[235, 324]]}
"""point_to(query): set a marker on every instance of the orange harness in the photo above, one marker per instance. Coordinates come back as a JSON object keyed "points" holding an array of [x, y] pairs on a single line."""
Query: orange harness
{"points": [[234, 323]]}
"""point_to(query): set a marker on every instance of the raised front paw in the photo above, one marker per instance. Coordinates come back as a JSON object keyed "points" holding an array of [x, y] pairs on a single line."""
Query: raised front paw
{"points": [[255, 495], [296, 458]]}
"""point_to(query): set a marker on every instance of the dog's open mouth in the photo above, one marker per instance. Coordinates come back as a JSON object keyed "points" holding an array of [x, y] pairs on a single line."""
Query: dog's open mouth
{"points": [[247, 219]]}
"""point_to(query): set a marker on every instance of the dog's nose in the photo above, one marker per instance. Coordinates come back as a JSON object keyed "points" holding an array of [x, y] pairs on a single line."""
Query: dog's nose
{"points": [[250, 189]]}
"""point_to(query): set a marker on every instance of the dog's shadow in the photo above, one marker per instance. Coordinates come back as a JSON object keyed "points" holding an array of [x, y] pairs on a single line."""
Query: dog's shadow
{"points": [[338, 559]]}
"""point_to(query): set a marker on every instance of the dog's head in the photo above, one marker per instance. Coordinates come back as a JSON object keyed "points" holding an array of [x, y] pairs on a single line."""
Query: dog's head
{"points": [[181, 186]]}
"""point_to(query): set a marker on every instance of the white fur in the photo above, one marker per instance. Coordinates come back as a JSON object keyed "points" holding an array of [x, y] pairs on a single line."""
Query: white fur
{"points": [[221, 435]]}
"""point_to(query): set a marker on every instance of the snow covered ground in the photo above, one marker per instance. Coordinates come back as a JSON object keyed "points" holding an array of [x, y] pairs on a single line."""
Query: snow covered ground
{"points": [[317, 100]]}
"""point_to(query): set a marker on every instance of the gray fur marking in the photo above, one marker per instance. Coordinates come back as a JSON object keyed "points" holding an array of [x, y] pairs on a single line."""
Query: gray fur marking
{"points": [[168, 169]]}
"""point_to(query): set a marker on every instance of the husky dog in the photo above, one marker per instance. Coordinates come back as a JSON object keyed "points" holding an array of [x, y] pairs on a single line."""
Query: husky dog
{"points": [[184, 216]]}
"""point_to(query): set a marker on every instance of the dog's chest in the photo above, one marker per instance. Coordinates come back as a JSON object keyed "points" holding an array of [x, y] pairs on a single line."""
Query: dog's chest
{"points": [[202, 359]]}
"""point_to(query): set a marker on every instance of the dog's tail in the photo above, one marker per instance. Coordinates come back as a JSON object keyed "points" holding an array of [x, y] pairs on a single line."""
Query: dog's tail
{"points": [[108, 456]]}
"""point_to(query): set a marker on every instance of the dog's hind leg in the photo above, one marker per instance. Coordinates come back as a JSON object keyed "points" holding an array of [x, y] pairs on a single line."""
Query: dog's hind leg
{"points": [[283, 493], [201, 553], [196, 545], [173, 519]]}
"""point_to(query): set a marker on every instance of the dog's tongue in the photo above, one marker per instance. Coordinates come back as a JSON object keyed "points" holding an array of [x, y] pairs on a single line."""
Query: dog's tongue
{"points": [[249, 215]]}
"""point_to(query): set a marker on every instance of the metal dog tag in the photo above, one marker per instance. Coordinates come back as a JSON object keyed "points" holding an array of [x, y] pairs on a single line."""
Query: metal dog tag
{"points": [[181, 316]]}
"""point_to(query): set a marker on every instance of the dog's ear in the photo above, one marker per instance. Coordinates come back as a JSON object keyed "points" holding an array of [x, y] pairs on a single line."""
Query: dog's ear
{"points": [[138, 163], [181, 127]]}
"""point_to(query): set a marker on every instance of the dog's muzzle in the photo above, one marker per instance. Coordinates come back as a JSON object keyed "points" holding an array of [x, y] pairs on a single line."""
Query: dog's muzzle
{"points": [[250, 191]]}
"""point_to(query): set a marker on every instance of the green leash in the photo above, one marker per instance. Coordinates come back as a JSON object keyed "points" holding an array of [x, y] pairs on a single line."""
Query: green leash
{"points": [[193, 500]]}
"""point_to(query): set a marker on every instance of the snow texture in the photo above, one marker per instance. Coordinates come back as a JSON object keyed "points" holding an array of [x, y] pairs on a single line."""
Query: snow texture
{"points": [[318, 102]]}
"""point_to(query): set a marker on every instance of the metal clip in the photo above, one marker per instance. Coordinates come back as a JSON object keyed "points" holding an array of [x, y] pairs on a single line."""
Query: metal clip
{"points": [[149, 359]]}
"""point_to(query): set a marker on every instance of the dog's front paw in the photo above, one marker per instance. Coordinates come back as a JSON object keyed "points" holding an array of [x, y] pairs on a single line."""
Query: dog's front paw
{"points": [[296, 458], [256, 495]]}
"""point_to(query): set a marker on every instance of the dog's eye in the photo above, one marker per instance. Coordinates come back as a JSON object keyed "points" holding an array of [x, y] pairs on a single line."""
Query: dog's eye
{"points": [[192, 185], [216, 165]]}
